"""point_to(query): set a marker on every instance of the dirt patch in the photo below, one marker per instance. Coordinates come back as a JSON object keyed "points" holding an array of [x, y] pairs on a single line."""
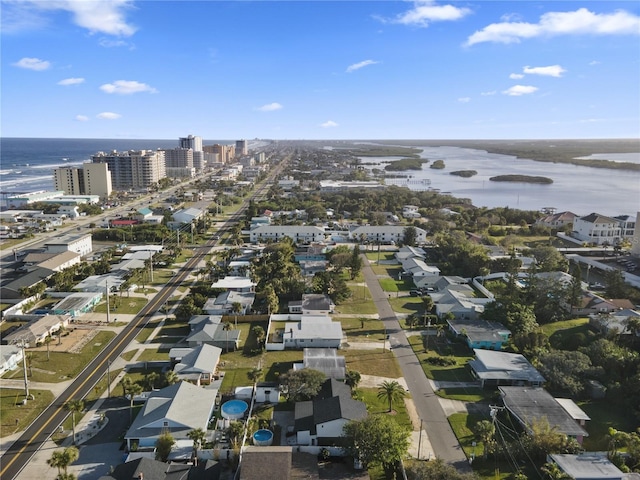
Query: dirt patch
{"points": [[72, 342]]}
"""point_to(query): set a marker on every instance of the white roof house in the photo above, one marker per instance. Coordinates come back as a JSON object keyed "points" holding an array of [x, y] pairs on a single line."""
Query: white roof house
{"points": [[199, 365], [187, 215], [417, 267], [587, 466], [495, 368], [10, 357], [300, 331], [176, 409], [238, 284]]}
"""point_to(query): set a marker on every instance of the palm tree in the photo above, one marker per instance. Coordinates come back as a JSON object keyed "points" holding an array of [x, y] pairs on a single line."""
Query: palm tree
{"points": [[133, 389], [56, 460], [171, 377], [484, 431], [353, 379], [255, 374], [236, 308], [124, 383], [553, 472], [47, 340], [391, 391], [258, 331], [199, 436], [226, 327], [74, 406], [65, 458]]}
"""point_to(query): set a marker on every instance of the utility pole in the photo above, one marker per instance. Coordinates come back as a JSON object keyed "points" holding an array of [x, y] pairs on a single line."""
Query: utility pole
{"points": [[151, 265], [108, 378], [420, 439], [24, 370], [108, 295]]}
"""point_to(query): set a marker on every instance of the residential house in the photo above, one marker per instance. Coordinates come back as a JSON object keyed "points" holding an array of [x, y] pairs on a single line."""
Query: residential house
{"points": [[614, 322], [187, 215], [199, 365], [627, 226], [557, 220], [281, 463], [300, 234], [176, 409], [144, 468], [410, 211], [10, 358], [320, 421], [76, 304], [225, 303], [14, 288], [209, 329], [588, 466], [236, 284], [597, 229], [325, 360], [410, 252], [439, 283], [300, 331], [480, 333], [493, 369], [35, 332], [416, 267], [459, 301], [590, 304], [312, 304], [531, 405]]}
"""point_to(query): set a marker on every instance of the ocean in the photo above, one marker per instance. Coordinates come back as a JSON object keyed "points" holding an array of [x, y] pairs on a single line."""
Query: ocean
{"points": [[27, 164]]}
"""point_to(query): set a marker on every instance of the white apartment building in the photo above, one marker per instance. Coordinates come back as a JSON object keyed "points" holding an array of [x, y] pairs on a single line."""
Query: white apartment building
{"points": [[192, 142], [134, 169], [81, 244], [385, 234], [88, 179], [298, 233], [597, 229]]}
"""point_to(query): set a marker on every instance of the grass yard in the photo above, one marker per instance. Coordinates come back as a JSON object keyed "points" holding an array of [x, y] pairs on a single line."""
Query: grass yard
{"points": [[275, 364], [567, 333], [373, 257], [146, 331], [604, 415], [11, 409], [63, 365], [377, 406], [372, 362], [407, 305], [362, 329], [459, 372], [359, 302], [153, 355], [129, 355], [471, 394], [462, 424], [124, 305]]}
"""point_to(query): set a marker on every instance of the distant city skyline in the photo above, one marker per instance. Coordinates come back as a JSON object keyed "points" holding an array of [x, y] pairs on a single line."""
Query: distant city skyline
{"points": [[320, 70]]}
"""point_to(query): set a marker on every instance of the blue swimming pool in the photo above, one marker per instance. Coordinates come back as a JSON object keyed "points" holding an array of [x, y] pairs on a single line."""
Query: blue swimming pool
{"points": [[233, 409], [263, 437]]}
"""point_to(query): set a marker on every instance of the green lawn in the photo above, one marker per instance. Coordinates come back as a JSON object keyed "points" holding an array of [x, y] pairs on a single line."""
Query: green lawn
{"points": [[373, 257], [376, 406], [372, 362], [459, 372], [604, 415], [569, 333], [146, 331], [407, 305], [153, 355], [63, 365], [11, 409], [363, 329], [124, 305], [471, 394], [359, 302]]}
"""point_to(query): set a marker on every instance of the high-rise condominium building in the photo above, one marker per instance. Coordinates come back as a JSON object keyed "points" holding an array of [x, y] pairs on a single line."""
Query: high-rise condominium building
{"points": [[242, 147], [135, 169], [225, 152], [88, 179], [192, 142]]}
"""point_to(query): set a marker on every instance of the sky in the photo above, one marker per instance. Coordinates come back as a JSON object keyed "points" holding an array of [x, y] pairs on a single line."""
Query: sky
{"points": [[474, 69]]}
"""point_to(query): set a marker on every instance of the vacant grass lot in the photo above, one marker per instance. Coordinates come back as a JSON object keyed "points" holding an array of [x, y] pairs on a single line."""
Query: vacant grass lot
{"points": [[359, 302], [124, 305], [603, 415], [362, 329], [372, 362], [407, 305], [471, 394], [459, 372], [568, 333], [373, 257], [11, 409], [63, 365]]}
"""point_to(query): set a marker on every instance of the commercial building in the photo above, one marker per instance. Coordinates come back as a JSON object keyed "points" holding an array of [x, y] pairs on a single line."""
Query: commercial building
{"points": [[225, 153], [88, 179], [134, 169]]}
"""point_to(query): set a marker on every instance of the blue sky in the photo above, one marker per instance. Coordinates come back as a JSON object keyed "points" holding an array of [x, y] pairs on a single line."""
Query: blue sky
{"points": [[320, 69]]}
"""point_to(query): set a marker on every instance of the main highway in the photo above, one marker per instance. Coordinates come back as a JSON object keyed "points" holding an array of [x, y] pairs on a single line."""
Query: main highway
{"points": [[18, 455]]}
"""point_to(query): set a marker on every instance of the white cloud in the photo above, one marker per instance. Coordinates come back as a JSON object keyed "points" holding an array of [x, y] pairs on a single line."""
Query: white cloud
{"points": [[358, 66], [425, 12], [519, 90], [109, 43], [550, 71], [516, 76], [578, 22], [270, 107], [71, 81], [82, 118], [594, 62], [108, 116], [31, 63], [126, 87], [329, 124], [464, 99], [488, 94]]}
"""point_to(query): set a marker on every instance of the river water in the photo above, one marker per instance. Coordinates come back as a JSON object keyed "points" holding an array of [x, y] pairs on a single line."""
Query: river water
{"points": [[579, 189]]}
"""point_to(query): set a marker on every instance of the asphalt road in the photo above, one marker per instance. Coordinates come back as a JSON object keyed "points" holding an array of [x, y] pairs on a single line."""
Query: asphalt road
{"points": [[443, 441], [33, 438]]}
